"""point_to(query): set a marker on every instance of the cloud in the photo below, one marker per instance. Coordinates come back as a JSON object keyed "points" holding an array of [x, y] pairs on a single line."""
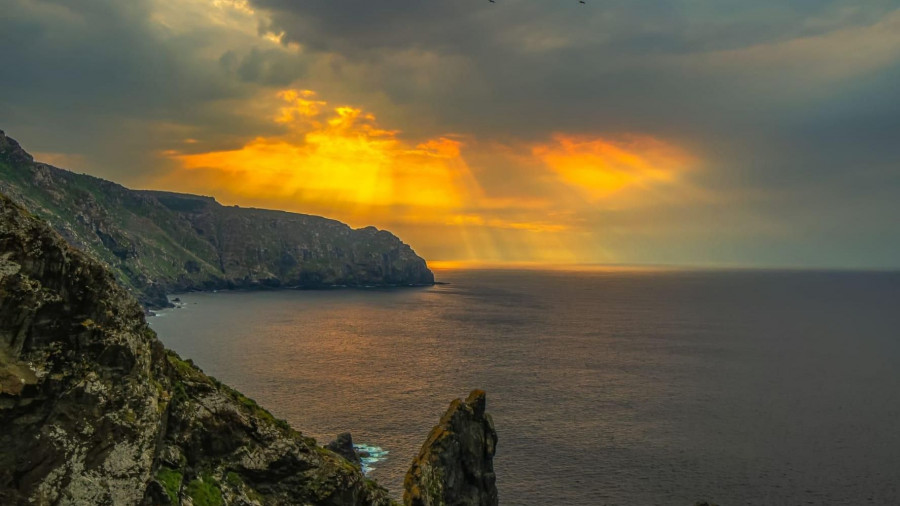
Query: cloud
{"points": [[603, 168], [674, 131], [269, 67], [113, 82], [333, 157], [341, 162], [806, 61]]}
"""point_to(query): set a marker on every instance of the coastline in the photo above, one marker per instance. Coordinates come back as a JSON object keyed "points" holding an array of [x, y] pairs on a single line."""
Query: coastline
{"points": [[150, 309]]}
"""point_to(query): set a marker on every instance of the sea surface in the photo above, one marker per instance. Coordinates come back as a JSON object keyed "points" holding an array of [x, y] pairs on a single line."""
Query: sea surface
{"points": [[606, 387]]}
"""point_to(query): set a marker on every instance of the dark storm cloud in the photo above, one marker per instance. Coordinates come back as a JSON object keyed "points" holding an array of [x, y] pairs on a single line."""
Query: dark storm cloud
{"points": [[107, 81], [666, 26], [525, 66], [268, 67]]}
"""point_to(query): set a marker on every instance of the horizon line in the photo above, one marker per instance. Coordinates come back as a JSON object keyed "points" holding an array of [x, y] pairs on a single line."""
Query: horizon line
{"points": [[444, 265]]}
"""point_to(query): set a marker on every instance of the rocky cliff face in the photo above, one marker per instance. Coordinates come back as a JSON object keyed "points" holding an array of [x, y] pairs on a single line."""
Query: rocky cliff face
{"points": [[95, 411], [159, 242], [456, 464]]}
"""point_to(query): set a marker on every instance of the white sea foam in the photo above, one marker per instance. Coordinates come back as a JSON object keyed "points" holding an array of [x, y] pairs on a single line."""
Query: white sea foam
{"points": [[375, 454]]}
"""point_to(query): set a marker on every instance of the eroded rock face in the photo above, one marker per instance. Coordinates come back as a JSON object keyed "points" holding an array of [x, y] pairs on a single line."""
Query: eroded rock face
{"points": [[94, 410], [455, 466]]}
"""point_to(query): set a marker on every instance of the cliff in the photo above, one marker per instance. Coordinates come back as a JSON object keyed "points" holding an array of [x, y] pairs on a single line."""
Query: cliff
{"points": [[95, 411], [456, 464], [161, 242]]}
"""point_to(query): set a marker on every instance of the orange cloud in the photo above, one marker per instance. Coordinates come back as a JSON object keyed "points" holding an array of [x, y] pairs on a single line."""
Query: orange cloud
{"points": [[299, 105], [602, 167], [340, 162], [338, 157]]}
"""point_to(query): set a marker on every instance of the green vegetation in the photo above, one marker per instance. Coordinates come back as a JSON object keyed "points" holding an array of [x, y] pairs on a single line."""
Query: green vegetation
{"points": [[254, 408], [186, 368], [171, 481], [179, 394], [233, 479], [204, 492]]}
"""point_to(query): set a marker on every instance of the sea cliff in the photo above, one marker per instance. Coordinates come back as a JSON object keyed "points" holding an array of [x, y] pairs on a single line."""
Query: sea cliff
{"points": [[160, 242], [95, 410]]}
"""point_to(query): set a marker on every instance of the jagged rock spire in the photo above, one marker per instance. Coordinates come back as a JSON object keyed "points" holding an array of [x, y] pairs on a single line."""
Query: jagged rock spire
{"points": [[456, 464]]}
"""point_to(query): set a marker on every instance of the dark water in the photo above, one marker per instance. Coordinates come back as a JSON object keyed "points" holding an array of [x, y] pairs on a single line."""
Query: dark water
{"points": [[605, 387]]}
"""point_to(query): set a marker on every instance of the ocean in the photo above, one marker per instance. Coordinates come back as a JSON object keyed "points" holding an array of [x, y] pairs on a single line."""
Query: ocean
{"points": [[606, 386]]}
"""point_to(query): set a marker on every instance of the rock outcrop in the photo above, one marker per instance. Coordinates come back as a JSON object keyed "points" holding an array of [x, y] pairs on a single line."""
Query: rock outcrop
{"points": [[94, 410], [343, 446], [159, 242], [455, 466]]}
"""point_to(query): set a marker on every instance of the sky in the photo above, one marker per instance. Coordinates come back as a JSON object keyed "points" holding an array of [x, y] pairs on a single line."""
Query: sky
{"points": [[679, 132]]}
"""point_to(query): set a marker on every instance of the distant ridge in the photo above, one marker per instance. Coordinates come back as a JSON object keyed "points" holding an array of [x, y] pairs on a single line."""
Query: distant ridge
{"points": [[160, 242]]}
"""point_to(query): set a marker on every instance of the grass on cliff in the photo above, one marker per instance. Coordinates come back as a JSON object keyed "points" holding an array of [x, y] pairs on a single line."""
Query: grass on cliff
{"points": [[186, 369], [204, 492], [171, 481], [257, 410]]}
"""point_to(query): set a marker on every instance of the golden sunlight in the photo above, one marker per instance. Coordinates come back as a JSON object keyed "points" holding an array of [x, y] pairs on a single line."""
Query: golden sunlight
{"points": [[337, 157], [603, 167], [341, 163]]}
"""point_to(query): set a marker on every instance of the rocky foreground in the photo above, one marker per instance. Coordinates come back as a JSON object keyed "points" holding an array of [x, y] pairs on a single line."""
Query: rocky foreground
{"points": [[95, 410], [157, 242]]}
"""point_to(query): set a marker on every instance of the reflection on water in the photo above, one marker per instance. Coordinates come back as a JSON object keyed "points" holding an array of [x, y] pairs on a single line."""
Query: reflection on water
{"points": [[605, 387]]}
